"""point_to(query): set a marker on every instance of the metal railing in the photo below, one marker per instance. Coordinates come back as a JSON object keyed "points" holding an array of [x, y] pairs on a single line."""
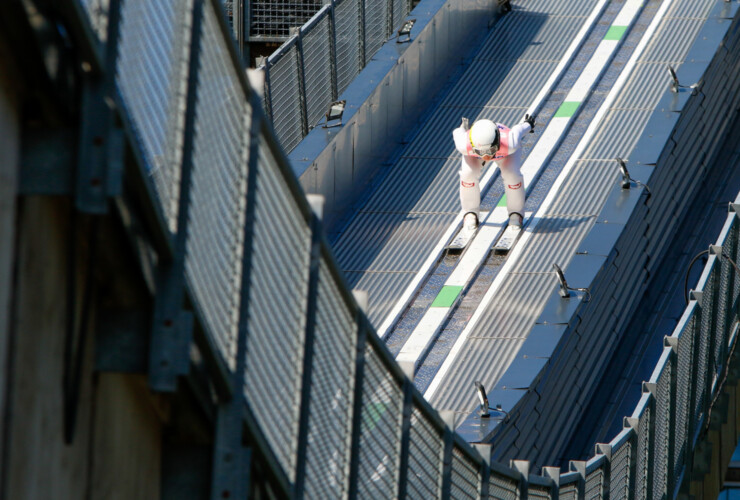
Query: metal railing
{"points": [[321, 58], [336, 414]]}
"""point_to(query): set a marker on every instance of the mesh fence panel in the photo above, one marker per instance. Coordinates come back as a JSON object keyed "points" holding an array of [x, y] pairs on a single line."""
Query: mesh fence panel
{"points": [[721, 308], [595, 483], [569, 492], [502, 487], [347, 22], [376, 26], [683, 408], [425, 455], [643, 464], [734, 253], [400, 9], [97, 12], [285, 99], [620, 471], [662, 423], [464, 480], [317, 68], [331, 391], [272, 19], [213, 258], [539, 492], [151, 74], [702, 350], [277, 301], [380, 430]]}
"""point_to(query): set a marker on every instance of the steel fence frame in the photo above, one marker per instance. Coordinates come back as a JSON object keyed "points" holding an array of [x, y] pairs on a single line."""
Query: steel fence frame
{"points": [[374, 396], [309, 97]]}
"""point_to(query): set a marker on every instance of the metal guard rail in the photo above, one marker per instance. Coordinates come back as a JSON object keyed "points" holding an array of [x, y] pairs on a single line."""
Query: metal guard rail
{"points": [[317, 63], [330, 410]]}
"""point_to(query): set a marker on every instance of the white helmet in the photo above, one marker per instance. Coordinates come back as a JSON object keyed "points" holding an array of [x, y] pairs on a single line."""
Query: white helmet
{"points": [[484, 138]]}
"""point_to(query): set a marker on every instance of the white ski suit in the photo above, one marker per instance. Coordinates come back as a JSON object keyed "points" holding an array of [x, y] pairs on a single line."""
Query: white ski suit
{"points": [[508, 158]]}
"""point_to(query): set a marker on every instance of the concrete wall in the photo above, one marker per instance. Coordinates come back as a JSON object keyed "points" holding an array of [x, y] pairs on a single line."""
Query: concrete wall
{"points": [[115, 448]]}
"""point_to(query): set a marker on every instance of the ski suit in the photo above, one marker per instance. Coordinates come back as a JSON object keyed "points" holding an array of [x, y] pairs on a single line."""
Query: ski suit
{"points": [[508, 158]]}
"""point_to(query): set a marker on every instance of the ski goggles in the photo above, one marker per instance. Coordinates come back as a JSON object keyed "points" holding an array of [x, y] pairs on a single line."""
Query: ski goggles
{"points": [[489, 150]]}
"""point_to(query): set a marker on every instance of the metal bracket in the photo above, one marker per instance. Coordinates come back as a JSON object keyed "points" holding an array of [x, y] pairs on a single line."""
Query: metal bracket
{"points": [[170, 351]]}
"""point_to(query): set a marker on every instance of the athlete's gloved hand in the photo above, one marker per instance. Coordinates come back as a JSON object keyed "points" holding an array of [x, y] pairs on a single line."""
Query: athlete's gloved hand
{"points": [[464, 124], [530, 119]]}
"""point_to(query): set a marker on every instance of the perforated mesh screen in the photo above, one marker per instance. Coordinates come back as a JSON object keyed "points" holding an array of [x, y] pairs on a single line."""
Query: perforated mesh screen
{"points": [[683, 406], [620, 471], [569, 492], [662, 422], [151, 74], [595, 484], [539, 492], [702, 351], [425, 456], [502, 488], [272, 19], [465, 481], [277, 301], [317, 67], [285, 99], [215, 244], [400, 9], [643, 464], [331, 392], [380, 430], [347, 22], [376, 26]]}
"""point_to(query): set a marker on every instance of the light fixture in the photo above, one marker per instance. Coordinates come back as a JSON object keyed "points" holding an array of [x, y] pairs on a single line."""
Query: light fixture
{"points": [[674, 78], [334, 113], [565, 290], [405, 30], [626, 179], [484, 413]]}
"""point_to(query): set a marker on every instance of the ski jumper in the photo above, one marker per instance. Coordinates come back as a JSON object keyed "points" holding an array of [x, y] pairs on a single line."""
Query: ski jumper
{"points": [[508, 158]]}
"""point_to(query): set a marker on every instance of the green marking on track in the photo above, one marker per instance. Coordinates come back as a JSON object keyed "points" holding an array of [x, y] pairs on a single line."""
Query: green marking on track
{"points": [[502, 202], [374, 411], [567, 109], [447, 296], [615, 32]]}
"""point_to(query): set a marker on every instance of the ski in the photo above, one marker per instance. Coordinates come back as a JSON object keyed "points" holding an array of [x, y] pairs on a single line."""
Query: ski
{"points": [[464, 236], [510, 236]]}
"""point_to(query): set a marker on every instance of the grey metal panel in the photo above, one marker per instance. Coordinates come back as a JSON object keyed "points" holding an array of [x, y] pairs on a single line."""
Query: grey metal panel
{"points": [[425, 185], [530, 36], [389, 241], [512, 84], [690, 8], [618, 135], [481, 359], [552, 242], [677, 35], [567, 7], [590, 181], [645, 87]]}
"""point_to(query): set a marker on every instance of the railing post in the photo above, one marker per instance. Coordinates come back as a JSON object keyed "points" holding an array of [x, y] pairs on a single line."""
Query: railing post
{"points": [[670, 479], [485, 472], [522, 466], [333, 48], [446, 462], [301, 80], [354, 444], [405, 439], [650, 388], [100, 140], [230, 458], [172, 327], [309, 335], [361, 32]]}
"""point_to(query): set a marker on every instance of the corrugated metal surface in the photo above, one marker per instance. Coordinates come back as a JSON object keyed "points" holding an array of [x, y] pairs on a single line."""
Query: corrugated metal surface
{"points": [[416, 198], [557, 237]]}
